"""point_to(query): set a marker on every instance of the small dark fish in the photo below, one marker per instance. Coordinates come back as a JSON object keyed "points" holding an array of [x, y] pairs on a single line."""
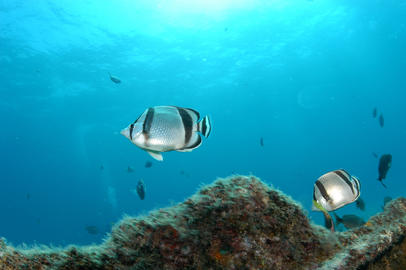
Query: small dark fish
{"points": [[186, 174], [375, 155], [386, 200], [385, 162], [130, 169], [349, 221], [374, 112], [261, 141], [141, 189], [101, 167], [381, 120], [28, 196], [148, 164], [92, 230], [114, 79], [360, 204]]}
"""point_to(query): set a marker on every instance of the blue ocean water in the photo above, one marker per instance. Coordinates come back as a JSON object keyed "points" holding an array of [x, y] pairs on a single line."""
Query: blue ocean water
{"points": [[303, 75]]}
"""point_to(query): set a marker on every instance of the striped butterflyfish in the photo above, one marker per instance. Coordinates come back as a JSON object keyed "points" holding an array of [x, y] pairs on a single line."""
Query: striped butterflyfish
{"points": [[334, 190], [167, 128]]}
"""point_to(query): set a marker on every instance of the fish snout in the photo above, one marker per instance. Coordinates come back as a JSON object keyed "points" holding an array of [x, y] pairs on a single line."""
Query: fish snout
{"points": [[125, 132]]}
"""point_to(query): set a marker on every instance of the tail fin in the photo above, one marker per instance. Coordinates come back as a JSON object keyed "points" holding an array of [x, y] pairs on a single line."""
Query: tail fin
{"points": [[204, 126], [338, 219], [380, 180]]}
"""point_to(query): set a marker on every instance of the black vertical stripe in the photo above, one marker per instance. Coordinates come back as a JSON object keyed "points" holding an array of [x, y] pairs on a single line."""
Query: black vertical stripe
{"points": [[204, 126], [187, 124], [357, 185], [131, 131], [345, 178], [322, 190], [146, 126]]}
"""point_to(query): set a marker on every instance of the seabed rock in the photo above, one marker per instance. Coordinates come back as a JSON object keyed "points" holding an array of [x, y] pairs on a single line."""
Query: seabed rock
{"points": [[234, 223]]}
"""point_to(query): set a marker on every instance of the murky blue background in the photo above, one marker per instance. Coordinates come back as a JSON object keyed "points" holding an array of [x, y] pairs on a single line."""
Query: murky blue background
{"points": [[304, 75]]}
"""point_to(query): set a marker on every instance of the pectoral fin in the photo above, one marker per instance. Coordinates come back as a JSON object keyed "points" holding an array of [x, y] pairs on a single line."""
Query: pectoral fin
{"points": [[328, 220], [155, 155]]}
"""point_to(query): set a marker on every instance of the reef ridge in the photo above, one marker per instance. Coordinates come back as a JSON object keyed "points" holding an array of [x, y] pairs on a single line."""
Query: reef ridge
{"points": [[234, 223]]}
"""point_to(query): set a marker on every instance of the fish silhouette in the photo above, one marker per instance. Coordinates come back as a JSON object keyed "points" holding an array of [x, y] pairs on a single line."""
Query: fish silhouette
{"points": [[381, 120], [374, 112], [385, 162], [114, 79]]}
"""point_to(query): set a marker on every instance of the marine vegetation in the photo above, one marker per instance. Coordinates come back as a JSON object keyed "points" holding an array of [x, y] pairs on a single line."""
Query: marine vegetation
{"points": [[234, 223]]}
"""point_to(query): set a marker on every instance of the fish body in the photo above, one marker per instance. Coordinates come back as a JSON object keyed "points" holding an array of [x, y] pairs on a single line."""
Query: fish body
{"points": [[360, 204], [374, 112], [114, 79], [167, 128], [335, 189], [349, 221], [261, 141], [130, 169], [92, 230], [381, 120], [148, 164], [386, 200], [141, 189], [385, 162]]}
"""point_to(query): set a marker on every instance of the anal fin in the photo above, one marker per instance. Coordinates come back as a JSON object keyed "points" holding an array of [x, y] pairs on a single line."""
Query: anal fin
{"points": [[185, 150], [155, 155]]}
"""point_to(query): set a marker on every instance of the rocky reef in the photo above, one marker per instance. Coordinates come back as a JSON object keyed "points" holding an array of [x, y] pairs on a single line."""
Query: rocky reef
{"points": [[234, 223]]}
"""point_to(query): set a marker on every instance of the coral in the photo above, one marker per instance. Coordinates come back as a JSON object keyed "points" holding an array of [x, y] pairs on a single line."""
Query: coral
{"points": [[234, 223]]}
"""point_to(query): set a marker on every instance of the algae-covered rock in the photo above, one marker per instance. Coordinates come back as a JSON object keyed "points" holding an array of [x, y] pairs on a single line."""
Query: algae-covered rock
{"points": [[234, 223]]}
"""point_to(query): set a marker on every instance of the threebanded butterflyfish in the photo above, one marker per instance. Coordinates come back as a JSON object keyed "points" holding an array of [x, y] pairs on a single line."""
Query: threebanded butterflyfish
{"points": [[385, 162], [334, 190], [349, 221], [168, 128], [114, 79]]}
